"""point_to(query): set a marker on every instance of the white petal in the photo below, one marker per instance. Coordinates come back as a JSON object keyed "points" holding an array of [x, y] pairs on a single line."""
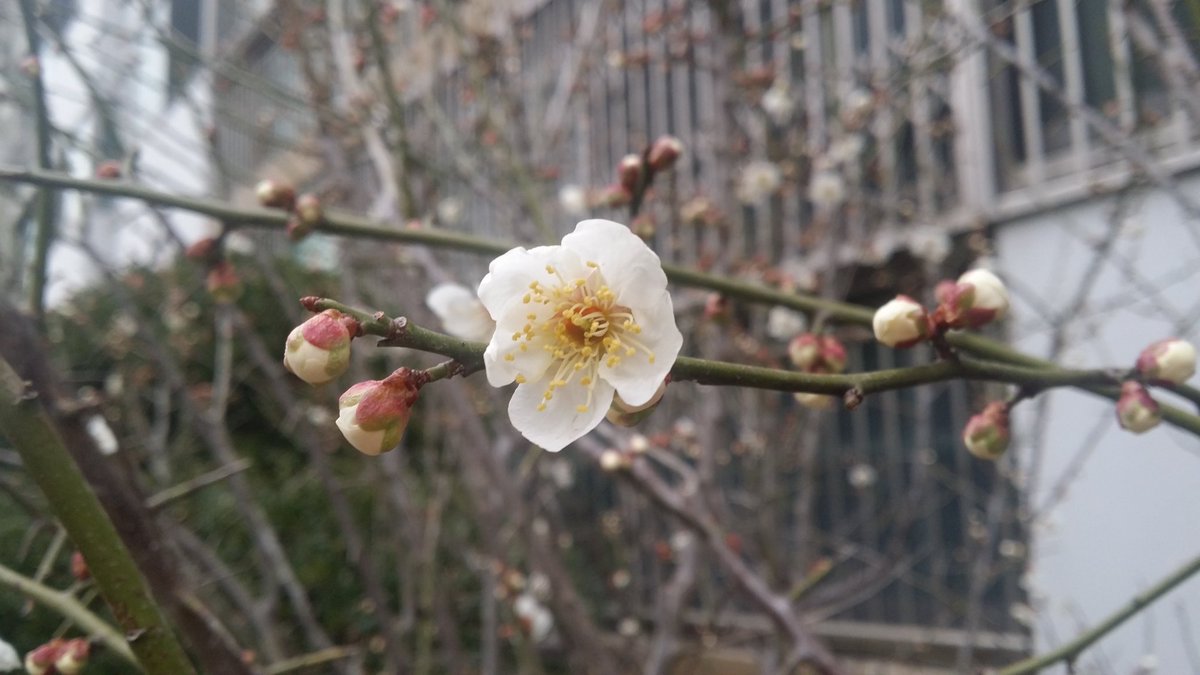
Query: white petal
{"points": [[531, 363], [560, 423], [461, 312], [9, 660], [509, 276], [618, 252], [635, 378]]}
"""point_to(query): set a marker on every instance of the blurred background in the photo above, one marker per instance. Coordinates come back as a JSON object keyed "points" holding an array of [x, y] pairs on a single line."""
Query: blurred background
{"points": [[851, 149]]}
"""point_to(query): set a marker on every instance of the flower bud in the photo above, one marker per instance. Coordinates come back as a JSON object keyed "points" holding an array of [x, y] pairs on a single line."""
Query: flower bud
{"points": [[41, 660], [629, 171], [978, 298], [664, 153], [223, 283], [273, 194], [203, 250], [374, 414], [987, 434], [716, 307], [108, 169], [1170, 361], [814, 353], [901, 323], [72, 656], [310, 211], [318, 350], [815, 401], [1136, 410], [622, 414], [79, 567]]}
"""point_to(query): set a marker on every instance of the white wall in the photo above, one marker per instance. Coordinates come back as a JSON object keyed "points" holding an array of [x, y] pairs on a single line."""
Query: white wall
{"points": [[1132, 512]]}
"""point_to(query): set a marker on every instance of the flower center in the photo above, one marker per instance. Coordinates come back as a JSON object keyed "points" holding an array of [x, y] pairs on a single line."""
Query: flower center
{"points": [[581, 326]]}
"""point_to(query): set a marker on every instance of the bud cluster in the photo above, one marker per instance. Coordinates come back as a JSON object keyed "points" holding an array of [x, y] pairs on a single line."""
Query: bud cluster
{"points": [[635, 172], [974, 300], [821, 354], [58, 657], [306, 212]]}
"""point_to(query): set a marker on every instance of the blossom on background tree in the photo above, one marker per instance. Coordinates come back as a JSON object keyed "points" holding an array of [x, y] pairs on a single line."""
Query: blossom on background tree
{"points": [[577, 324], [460, 312]]}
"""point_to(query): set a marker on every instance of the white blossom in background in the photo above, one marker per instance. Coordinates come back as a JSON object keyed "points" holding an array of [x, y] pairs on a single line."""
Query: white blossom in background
{"points": [[757, 180], [240, 243], [856, 104], [9, 659], [928, 242], [827, 189], [534, 616], [573, 200], [778, 102], [803, 273], [449, 210], [861, 476], [846, 149], [102, 435], [577, 324], [881, 246], [784, 323], [461, 313]]}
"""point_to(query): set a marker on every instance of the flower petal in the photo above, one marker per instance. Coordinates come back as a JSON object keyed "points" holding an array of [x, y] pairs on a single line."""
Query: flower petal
{"points": [[560, 423], [635, 379], [629, 266], [460, 312], [509, 276]]}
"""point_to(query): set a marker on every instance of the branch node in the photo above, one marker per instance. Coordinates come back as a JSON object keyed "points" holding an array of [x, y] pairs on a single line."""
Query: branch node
{"points": [[853, 398]]}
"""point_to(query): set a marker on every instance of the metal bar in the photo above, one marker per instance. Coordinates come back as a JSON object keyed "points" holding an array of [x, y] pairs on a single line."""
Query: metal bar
{"points": [[1073, 76], [1031, 121]]}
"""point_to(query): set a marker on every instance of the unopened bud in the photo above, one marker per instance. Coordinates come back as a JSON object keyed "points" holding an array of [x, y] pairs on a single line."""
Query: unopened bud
{"points": [[1136, 410], [1170, 361], [815, 401], [987, 433], [318, 350], [901, 323], [716, 306], [79, 567], [814, 353], [203, 250], [72, 656], [664, 153], [374, 414], [41, 660], [623, 414], [976, 299], [223, 283], [308, 208], [629, 172], [276, 195], [108, 169]]}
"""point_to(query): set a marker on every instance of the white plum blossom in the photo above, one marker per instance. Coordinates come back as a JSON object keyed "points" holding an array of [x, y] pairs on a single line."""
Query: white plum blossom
{"points": [[928, 242], [1172, 361], [449, 210], [901, 323], [573, 200], [8, 657], [577, 324], [846, 149], [990, 294], [461, 313], [778, 103], [827, 189], [757, 180], [534, 617]]}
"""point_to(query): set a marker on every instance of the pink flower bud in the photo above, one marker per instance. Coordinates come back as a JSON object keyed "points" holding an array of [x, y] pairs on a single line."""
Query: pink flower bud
{"points": [[79, 567], [72, 656], [276, 195], [108, 169], [1136, 410], [814, 353], [716, 307], [665, 152], [629, 171], [223, 283], [978, 298], [318, 350], [1170, 361], [622, 414], [374, 414], [815, 401], [41, 660], [901, 323], [987, 434]]}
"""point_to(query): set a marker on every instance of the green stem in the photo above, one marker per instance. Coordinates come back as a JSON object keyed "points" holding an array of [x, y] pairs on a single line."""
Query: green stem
{"points": [[71, 609], [46, 460], [353, 226], [402, 333], [1068, 652]]}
